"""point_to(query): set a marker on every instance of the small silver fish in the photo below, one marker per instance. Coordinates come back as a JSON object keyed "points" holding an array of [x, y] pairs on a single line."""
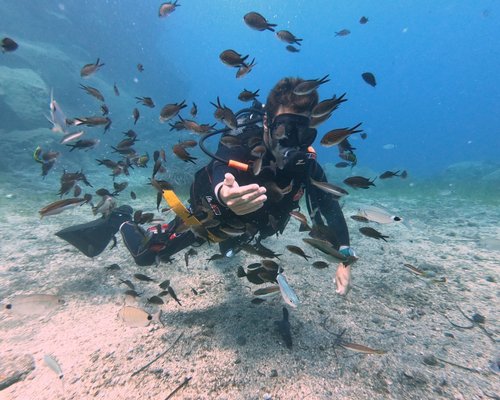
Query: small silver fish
{"points": [[34, 304], [136, 317], [53, 365], [287, 292], [266, 292], [57, 117], [359, 348]]}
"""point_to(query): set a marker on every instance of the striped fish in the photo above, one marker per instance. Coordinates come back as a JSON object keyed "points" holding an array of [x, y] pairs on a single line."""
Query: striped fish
{"points": [[359, 348], [287, 292]]}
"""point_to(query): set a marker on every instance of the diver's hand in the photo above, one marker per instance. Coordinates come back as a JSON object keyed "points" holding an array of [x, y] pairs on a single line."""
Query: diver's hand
{"points": [[241, 199], [343, 279]]}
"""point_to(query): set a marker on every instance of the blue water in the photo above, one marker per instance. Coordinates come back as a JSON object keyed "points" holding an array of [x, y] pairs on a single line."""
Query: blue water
{"points": [[436, 63]]}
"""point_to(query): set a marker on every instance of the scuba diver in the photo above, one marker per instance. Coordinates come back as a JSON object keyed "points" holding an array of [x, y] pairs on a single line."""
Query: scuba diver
{"points": [[257, 176]]}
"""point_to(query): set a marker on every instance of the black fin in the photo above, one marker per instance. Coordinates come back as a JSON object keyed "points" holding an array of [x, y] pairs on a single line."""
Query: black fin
{"points": [[92, 237]]}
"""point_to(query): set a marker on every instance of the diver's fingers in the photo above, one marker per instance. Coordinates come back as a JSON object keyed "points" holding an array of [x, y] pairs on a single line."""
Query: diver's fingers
{"points": [[247, 201], [229, 179], [248, 208], [240, 191]]}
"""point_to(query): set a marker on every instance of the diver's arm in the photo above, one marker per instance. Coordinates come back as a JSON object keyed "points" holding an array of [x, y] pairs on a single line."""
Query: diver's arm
{"points": [[330, 209]]}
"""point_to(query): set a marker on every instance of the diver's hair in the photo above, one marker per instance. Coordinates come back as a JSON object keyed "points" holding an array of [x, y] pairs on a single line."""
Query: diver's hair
{"points": [[282, 95]]}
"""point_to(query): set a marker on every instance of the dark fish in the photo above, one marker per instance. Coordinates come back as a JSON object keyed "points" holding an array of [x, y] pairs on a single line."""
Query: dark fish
{"points": [[336, 136], [360, 218], [309, 86], [327, 106], [373, 233], [192, 126], [369, 78], [167, 8], [169, 111], [194, 110], [165, 284], [251, 275], [174, 296], [342, 164], [288, 37], [128, 283], [104, 109], [343, 32], [363, 20], [93, 92], [284, 329], [359, 182], [389, 174], [182, 153], [47, 166], [140, 67], [119, 187], [225, 115], [83, 144], [156, 300], [318, 121], [230, 141], [115, 89], [92, 121], [133, 196], [363, 135], [247, 95], [136, 115], [130, 133], [297, 250], [404, 174], [326, 248], [320, 264], [144, 278], [77, 191], [132, 293], [146, 101], [113, 267], [292, 49], [245, 69], [304, 226], [232, 58], [8, 44], [187, 254], [270, 265], [215, 257], [89, 69], [257, 300], [256, 21]]}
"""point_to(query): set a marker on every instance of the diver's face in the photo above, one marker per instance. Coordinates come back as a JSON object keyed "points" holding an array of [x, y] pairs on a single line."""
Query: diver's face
{"points": [[288, 131]]}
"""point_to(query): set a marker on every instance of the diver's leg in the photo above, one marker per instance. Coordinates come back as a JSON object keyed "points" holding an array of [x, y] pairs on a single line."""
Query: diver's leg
{"points": [[146, 246]]}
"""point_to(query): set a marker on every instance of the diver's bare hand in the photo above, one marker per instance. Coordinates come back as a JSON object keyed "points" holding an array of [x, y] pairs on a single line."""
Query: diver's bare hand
{"points": [[343, 279], [241, 199]]}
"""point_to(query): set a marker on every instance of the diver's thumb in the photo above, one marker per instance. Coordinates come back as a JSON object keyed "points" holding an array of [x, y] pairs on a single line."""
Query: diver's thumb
{"points": [[229, 180]]}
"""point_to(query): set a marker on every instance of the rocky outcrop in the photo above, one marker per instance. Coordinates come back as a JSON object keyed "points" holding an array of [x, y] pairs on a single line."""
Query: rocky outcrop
{"points": [[23, 99], [15, 369]]}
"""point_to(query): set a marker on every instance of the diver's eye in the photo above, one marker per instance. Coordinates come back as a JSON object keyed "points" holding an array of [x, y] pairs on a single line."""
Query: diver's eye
{"points": [[279, 132]]}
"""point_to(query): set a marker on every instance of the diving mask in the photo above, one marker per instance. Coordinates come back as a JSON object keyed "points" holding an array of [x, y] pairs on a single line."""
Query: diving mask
{"points": [[290, 138]]}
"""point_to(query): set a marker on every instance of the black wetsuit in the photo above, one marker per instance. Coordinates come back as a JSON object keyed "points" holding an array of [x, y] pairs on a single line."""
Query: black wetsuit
{"points": [[278, 205]]}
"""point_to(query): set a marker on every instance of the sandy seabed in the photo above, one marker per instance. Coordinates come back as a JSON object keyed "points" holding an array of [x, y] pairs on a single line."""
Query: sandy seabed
{"points": [[230, 347]]}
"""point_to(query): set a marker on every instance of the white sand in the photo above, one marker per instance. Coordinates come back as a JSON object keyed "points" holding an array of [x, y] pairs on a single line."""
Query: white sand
{"points": [[230, 347]]}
